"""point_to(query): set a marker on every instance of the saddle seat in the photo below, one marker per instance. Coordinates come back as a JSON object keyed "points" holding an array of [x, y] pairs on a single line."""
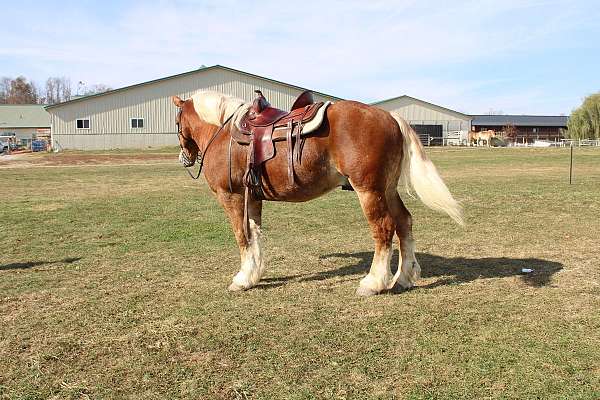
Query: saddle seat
{"points": [[262, 114]]}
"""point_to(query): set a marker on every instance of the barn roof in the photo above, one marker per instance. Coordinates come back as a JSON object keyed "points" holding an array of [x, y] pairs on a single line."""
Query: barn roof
{"points": [[423, 103], [200, 70], [520, 120], [23, 116]]}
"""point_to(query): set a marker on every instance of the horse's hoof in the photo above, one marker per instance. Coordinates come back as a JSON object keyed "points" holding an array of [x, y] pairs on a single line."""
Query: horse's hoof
{"points": [[404, 285], [235, 288], [397, 289], [401, 287], [365, 292]]}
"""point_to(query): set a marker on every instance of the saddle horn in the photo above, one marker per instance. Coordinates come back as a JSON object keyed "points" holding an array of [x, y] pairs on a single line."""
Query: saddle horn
{"points": [[260, 103]]}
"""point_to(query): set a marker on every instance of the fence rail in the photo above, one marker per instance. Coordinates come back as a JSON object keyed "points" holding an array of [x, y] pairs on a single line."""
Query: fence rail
{"points": [[579, 142], [458, 140]]}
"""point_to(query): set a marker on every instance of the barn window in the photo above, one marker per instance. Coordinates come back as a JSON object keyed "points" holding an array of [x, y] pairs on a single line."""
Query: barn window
{"points": [[83, 123], [137, 122]]}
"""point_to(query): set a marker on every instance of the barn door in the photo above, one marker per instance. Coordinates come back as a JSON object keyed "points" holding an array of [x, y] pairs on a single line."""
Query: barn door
{"points": [[430, 135]]}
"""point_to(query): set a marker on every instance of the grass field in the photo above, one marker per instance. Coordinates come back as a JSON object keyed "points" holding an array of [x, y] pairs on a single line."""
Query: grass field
{"points": [[113, 285]]}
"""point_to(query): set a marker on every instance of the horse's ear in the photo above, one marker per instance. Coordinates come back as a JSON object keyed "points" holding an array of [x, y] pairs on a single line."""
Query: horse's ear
{"points": [[177, 101]]}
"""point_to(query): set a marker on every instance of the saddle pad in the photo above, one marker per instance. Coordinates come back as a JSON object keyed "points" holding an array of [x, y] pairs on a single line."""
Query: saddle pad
{"points": [[280, 132], [317, 121]]}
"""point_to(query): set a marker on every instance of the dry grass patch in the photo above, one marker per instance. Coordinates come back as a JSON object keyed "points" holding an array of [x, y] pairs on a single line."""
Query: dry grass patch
{"points": [[113, 285]]}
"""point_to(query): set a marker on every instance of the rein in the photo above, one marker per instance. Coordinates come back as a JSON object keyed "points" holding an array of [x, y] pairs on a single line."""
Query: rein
{"points": [[201, 156]]}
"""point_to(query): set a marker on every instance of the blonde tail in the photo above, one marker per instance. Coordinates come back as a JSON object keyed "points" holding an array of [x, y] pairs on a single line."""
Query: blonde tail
{"points": [[421, 174]]}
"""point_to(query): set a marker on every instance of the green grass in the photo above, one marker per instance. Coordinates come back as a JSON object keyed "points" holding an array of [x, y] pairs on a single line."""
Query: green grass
{"points": [[113, 285]]}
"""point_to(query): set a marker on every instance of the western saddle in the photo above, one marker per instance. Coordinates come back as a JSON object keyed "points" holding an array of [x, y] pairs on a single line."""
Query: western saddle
{"points": [[264, 125]]}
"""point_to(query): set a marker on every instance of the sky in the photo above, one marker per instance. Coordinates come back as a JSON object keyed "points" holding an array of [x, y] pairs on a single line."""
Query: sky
{"points": [[516, 57]]}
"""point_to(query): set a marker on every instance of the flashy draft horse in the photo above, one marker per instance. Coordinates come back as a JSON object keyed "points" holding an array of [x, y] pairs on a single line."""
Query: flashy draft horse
{"points": [[253, 152]]}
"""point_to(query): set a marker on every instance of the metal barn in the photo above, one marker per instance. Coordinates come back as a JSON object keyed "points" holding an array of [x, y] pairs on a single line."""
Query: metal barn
{"points": [[435, 125], [143, 115]]}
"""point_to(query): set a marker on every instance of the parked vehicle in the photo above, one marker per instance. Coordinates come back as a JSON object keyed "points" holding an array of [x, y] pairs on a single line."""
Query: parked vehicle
{"points": [[38, 145]]}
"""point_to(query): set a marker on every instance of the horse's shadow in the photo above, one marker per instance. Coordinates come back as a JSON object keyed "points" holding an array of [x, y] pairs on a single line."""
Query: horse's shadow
{"points": [[451, 271], [31, 264]]}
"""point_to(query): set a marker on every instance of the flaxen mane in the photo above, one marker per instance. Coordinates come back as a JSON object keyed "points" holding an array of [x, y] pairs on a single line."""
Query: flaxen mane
{"points": [[214, 108]]}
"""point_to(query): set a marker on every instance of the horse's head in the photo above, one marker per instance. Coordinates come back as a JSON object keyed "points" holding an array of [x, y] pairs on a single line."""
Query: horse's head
{"points": [[201, 115], [185, 128]]}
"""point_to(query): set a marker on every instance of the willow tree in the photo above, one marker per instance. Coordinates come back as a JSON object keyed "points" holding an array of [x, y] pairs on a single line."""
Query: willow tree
{"points": [[584, 122]]}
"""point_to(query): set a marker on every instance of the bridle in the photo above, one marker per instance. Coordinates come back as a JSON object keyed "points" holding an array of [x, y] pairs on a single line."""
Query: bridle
{"points": [[201, 155]]}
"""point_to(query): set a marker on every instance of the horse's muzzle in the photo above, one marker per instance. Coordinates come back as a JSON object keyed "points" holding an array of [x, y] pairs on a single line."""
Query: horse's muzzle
{"points": [[185, 160]]}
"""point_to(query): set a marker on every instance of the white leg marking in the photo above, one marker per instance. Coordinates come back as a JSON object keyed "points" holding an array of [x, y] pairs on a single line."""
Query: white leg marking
{"points": [[380, 275], [252, 262], [409, 268]]}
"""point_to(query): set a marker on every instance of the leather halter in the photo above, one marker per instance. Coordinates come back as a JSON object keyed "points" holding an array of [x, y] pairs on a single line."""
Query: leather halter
{"points": [[201, 155]]}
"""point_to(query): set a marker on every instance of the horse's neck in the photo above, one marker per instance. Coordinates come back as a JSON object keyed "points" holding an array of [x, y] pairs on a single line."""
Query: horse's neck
{"points": [[203, 136]]}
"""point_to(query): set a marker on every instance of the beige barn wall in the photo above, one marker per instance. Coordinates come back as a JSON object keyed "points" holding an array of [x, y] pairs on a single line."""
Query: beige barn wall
{"points": [[110, 114], [113, 141], [421, 113]]}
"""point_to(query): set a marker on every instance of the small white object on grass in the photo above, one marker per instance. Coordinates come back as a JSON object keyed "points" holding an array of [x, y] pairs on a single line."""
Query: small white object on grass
{"points": [[526, 270]]}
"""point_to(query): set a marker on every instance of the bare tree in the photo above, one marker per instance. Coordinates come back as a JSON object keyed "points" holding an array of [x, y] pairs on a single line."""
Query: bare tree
{"points": [[58, 89], [66, 89], [4, 89], [20, 90], [97, 88], [50, 93], [510, 132], [39, 96]]}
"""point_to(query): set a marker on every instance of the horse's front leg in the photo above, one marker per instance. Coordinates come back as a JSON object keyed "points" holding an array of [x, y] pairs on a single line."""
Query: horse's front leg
{"points": [[252, 267]]}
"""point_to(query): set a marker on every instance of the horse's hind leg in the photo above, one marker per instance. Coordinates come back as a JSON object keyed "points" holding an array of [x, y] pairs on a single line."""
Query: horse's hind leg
{"points": [[251, 267], [383, 225], [409, 268]]}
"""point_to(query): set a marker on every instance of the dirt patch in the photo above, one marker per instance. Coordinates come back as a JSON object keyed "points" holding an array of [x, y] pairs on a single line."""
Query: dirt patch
{"points": [[83, 159]]}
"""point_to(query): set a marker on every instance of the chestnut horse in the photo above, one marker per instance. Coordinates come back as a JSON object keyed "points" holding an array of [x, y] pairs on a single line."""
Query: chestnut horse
{"points": [[357, 143], [485, 136]]}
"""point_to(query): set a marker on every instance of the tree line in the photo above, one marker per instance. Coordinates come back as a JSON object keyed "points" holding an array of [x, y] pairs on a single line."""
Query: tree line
{"points": [[20, 90]]}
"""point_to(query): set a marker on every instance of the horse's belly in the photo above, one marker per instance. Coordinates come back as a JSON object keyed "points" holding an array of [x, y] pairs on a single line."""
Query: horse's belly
{"points": [[314, 175]]}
